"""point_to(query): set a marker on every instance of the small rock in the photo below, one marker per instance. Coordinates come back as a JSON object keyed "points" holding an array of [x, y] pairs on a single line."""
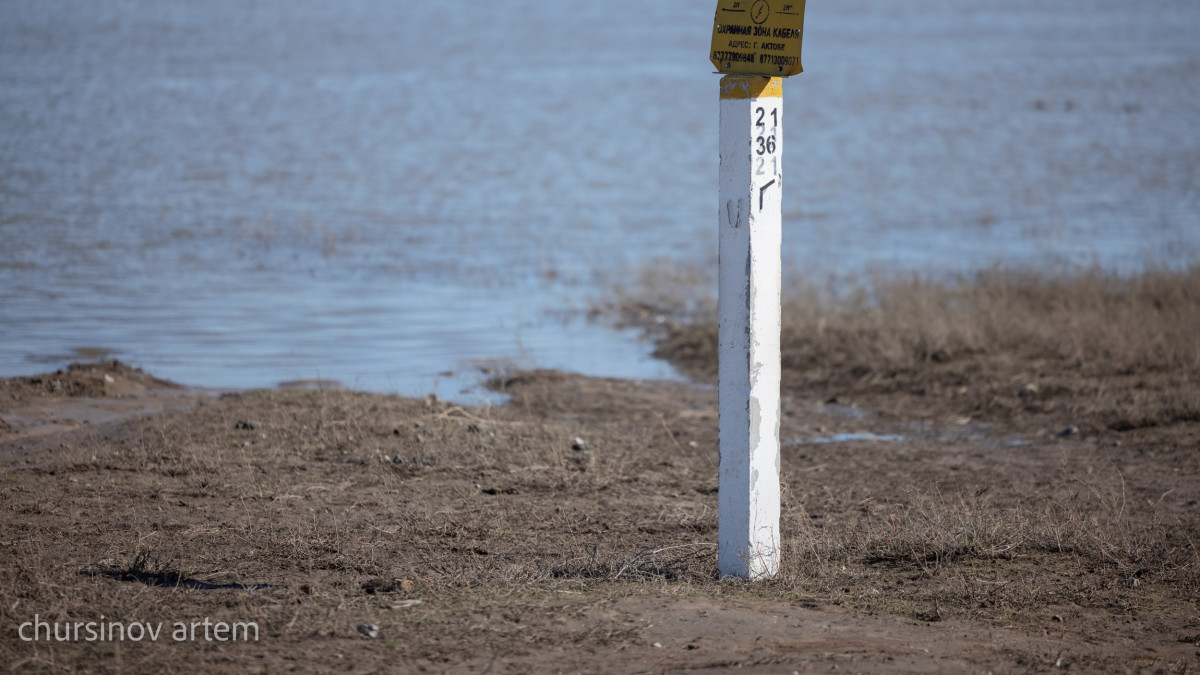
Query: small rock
{"points": [[369, 629], [693, 444], [1069, 431], [109, 378], [579, 445], [657, 645], [1056, 618]]}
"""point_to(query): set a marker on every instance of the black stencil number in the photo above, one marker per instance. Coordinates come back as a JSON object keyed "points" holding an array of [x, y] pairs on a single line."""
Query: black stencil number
{"points": [[766, 144], [762, 116]]}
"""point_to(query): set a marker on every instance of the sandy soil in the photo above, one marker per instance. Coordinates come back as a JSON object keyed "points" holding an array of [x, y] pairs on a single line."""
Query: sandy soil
{"points": [[572, 530]]}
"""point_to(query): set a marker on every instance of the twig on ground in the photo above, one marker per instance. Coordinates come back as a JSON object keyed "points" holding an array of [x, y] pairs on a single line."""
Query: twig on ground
{"points": [[646, 554]]}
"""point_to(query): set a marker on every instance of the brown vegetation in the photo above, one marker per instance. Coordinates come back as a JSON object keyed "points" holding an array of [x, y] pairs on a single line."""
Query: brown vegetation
{"points": [[1106, 351], [1002, 528]]}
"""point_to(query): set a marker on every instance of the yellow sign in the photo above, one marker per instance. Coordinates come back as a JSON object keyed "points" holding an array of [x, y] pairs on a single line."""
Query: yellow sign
{"points": [[758, 37]]}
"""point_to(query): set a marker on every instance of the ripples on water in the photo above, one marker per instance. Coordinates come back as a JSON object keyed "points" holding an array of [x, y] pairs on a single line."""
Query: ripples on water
{"points": [[236, 193]]}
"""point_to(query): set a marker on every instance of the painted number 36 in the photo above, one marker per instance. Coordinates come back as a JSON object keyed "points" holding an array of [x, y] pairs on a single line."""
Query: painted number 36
{"points": [[766, 144]]}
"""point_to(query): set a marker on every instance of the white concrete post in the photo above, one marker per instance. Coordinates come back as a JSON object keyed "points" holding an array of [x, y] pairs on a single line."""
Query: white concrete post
{"points": [[748, 372]]}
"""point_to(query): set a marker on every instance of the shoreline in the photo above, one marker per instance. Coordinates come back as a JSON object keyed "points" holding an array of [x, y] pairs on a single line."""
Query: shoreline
{"points": [[1004, 479]]}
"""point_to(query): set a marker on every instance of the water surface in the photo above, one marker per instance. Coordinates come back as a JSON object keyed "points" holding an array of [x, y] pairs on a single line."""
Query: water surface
{"points": [[391, 194]]}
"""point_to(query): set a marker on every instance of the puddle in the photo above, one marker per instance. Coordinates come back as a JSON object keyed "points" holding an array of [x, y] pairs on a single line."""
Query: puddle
{"points": [[41, 416], [847, 438], [312, 385], [842, 410]]}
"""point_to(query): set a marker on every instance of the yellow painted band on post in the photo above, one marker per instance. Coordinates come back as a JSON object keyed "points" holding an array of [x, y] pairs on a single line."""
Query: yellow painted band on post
{"points": [[751, 86]]}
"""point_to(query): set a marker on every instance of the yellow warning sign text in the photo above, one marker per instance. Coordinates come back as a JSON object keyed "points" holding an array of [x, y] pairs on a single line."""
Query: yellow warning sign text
{"points": [[758, 37]]}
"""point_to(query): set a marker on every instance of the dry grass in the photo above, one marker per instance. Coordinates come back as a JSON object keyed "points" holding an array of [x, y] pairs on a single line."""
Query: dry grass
{"points": [[1014, 348], [313, 512], [1111, 351], [1097, 323]]}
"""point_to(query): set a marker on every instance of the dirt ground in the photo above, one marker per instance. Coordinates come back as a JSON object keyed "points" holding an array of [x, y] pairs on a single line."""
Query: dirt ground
{"points": [[965, 513]]}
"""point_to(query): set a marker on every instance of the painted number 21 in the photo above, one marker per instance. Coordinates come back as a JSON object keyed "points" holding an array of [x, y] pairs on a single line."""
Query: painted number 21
{"points": [[765, 146], [765, 143]]}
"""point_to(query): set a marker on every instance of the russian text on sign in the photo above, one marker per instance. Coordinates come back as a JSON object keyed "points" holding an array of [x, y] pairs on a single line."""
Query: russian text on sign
{"points": [[779, 24]]}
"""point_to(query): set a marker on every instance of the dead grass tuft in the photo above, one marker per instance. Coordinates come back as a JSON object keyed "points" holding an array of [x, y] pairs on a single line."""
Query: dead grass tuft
{"points": [[1115, 352]]}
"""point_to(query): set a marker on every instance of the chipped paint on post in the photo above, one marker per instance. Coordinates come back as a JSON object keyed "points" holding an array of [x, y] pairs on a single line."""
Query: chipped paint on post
{"points": [[751, 179]]}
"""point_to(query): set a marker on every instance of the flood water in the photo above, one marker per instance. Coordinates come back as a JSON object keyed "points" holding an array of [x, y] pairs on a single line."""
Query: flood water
{"points": [[237, 193]]}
